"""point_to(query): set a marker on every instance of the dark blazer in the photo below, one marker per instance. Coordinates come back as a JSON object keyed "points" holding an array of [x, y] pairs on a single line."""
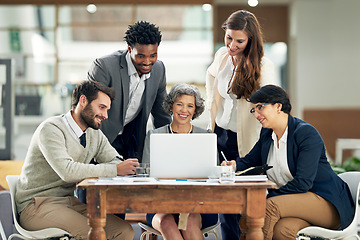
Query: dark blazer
{"points": [[308, 165], [112, 71]]}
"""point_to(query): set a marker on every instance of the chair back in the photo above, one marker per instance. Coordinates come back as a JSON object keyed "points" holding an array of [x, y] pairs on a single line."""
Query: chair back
{"points": [[12, 180], [7, 226], [352, 179], [39, 234], [2, 232]]}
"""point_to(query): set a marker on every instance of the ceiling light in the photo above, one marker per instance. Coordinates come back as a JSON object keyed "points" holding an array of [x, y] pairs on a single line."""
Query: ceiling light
{"points": [[91, 8], [253, 3], [206, 7]]}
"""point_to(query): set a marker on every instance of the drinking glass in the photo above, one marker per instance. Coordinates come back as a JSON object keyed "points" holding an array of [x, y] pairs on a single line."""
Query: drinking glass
{"points": [[143, 170], [227, 174]]}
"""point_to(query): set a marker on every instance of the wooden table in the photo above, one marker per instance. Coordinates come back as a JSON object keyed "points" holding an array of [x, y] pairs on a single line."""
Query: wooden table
{"points": [[246, 198]]}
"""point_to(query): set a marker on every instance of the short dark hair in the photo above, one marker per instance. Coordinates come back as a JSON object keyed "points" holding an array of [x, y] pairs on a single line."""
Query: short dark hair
{"points": [[143, 33], [272, 94], [184, 89], [90, 89]]}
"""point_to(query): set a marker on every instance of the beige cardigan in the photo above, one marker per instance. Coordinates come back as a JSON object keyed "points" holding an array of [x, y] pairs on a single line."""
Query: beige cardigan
{"points": [[248, 128]]}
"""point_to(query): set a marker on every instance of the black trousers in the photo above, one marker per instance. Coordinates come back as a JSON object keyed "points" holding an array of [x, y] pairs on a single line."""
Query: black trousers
{"points": [[227, 143], [126, 144], [230, 229]]}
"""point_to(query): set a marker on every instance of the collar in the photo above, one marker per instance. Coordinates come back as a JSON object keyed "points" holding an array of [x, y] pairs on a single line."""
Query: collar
{"points": [[283, 138], [132, 70], [72, 124]]}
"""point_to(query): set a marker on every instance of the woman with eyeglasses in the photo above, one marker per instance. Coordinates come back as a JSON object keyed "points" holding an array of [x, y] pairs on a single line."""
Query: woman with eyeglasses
{"points": [[238, 70], [308, 191]]}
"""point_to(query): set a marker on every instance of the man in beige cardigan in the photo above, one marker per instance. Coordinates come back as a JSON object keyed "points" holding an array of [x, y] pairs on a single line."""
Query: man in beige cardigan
{"points": [[59, 157]]}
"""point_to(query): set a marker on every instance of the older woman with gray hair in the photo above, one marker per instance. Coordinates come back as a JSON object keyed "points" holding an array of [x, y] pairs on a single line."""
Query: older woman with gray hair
{"points": [[184, 89], [184, 103]]}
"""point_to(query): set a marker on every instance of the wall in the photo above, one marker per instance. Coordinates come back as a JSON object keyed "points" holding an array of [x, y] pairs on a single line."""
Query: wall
{"points": [[324, 82], [272, 19], [324, 52]]}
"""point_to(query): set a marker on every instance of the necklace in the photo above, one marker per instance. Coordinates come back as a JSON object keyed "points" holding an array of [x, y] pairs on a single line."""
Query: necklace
{"points": [[174, 132]]}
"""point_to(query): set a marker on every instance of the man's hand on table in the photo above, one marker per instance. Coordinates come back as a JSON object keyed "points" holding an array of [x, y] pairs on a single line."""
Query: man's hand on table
{"points": [[127, 167]]}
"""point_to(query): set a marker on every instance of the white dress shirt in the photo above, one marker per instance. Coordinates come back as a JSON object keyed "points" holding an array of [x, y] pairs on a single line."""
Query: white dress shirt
{"points": [[74, 129], [226, 114], [280, 173], [136, 91]]}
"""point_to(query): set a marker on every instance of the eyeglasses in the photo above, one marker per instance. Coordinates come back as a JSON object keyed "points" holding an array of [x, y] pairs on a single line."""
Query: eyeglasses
{"points": [[258, 107]]}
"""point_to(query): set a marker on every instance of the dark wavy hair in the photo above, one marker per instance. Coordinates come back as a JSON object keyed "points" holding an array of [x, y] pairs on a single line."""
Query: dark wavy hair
{"points": [[247, 74], [272, 94], [184, 89], [143, 33], [90, 89]]}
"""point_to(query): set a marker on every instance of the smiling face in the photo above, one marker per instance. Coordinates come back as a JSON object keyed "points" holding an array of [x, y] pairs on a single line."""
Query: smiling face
{"points": [[143, 57], [235, 42], [183, 109], [95, 112], [267, 115]]}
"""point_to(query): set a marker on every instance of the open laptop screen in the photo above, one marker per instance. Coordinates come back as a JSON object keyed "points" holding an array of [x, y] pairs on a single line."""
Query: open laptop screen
{"points": [[183, 155]]}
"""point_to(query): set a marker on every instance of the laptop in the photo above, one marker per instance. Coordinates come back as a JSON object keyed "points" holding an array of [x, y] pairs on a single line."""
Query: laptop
{"points": [[182, 155]]}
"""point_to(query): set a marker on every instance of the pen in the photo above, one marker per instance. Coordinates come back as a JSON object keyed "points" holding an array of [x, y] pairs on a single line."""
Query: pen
{"points": [[190, 180], [227, 162]]}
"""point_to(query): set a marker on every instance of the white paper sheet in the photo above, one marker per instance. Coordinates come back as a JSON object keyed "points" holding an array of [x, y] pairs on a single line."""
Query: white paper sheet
{"points": [[251, 178]]}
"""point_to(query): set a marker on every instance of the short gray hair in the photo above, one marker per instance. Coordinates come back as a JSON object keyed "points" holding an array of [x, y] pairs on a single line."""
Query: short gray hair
{"points": [[184, 89]]}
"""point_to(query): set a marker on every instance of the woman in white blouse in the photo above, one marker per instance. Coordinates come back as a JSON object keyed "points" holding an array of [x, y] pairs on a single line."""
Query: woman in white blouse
{"points": [[238, 70], [308, 191]]}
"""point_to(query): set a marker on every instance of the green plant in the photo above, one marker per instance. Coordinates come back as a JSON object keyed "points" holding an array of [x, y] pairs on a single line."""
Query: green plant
{"points": [[350, 164]]}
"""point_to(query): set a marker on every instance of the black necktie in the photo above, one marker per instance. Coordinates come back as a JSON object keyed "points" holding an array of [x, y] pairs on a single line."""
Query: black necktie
{"points": [[83, 139]]}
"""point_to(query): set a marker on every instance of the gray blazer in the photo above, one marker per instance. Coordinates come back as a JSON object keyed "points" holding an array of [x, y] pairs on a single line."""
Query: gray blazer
{"points": [[164, 129], [112, 71]]}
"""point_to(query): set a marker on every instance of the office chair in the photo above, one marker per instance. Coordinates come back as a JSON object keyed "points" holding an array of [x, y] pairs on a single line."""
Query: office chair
{"points": [[149, 230], [2, 232], [353, 181], [7, 226], [25, 234]]}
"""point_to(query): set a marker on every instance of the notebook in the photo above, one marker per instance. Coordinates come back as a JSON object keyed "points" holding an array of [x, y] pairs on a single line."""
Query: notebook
{"points": [[182, 155]]}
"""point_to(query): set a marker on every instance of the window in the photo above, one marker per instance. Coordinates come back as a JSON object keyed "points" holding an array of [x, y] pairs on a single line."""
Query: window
{"points": [[53, 46]]}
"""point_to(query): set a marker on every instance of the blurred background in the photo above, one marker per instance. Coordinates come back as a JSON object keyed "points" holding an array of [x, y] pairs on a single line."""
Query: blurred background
{"points": [[46, 47]]}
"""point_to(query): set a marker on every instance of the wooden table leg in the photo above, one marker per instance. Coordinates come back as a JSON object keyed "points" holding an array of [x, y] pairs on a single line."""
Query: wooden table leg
{"points": [[96, 207], [255, 213], [254, 228], [243, 227]]}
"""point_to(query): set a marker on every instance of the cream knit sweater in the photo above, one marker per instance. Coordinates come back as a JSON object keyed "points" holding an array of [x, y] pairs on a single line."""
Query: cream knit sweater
{"points": [[56, 161]]}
